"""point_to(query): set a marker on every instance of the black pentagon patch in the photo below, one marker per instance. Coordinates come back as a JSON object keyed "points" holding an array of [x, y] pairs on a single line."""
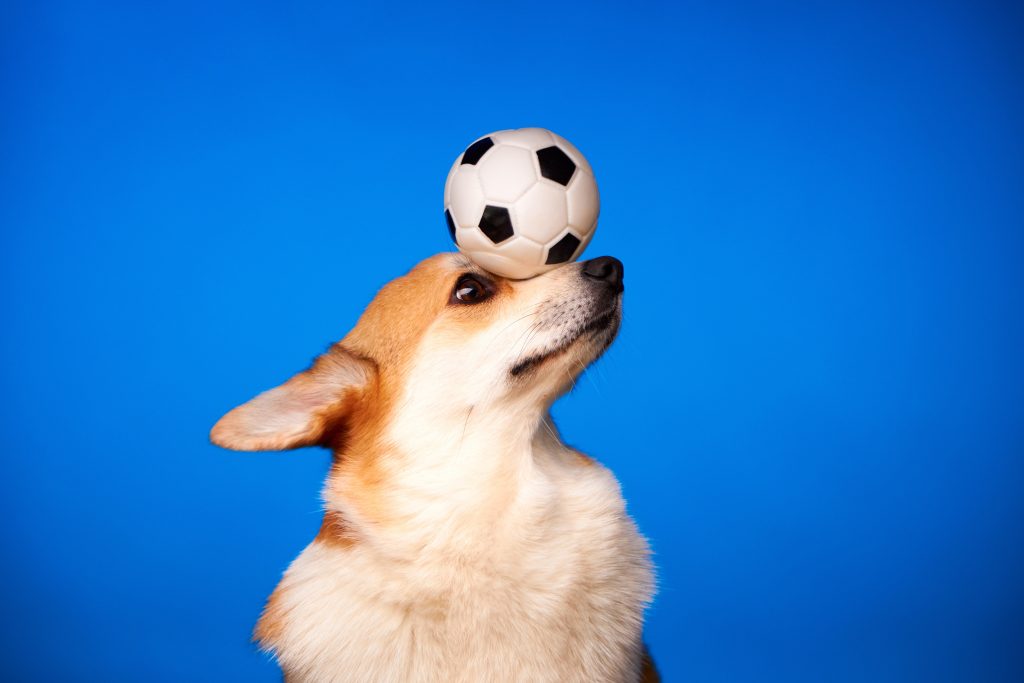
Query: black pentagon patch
{"points": [[496, 223], [563, 249], [476, 150], [451, 225], [556, 165]]}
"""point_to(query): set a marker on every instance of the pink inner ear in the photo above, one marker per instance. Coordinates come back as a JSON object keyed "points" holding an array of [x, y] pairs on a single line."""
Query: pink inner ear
{"points": [[289, 416], [282, 412], [286, 416]]}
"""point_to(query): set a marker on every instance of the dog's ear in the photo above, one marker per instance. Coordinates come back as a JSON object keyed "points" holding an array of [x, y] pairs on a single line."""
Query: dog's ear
{"points": [[300, 412]]}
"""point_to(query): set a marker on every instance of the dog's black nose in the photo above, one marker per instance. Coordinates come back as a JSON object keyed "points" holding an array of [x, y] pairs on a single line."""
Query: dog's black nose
{"points": [[607, 268]]}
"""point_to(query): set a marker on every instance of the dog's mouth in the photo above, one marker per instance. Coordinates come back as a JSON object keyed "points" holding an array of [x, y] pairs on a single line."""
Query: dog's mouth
{"points": [[601, 327]]}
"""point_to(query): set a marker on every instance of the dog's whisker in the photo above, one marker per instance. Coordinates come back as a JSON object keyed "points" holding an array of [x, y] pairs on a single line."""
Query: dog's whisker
{"points": [[551, 431], [465, 424], [572, 379], [502, 330], [533, 332], [583, 371], [534, 311]]}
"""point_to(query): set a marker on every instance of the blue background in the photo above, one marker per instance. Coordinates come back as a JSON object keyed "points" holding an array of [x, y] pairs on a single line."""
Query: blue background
{"points": [[816, 405]]}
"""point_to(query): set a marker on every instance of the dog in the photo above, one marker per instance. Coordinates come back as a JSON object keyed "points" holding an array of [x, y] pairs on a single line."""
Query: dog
{"points": [[461, 539]]}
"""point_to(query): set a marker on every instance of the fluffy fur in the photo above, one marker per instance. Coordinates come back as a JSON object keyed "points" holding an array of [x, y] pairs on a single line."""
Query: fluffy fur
{"points": [[462, 540]]}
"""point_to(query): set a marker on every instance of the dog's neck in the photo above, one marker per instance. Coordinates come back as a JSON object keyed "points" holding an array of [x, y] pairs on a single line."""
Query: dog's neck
{"points": [[456, 468]]}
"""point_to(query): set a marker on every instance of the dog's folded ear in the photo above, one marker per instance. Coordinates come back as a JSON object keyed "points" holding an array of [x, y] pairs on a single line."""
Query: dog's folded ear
{"points": [[301, 412]]}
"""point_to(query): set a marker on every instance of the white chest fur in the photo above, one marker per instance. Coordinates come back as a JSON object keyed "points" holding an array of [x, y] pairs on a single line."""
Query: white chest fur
{"points": [[535, 573]]}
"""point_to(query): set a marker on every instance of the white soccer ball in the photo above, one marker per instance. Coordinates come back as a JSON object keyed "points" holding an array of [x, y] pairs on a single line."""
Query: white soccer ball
{"points": [[521, 202]]}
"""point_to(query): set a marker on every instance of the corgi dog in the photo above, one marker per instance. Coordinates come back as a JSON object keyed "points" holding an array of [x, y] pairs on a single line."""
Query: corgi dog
{"points": [[461, 541]]}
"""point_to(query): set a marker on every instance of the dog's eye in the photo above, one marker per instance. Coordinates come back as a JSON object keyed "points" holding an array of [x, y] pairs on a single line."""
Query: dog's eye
{"points": [[470, 290]]}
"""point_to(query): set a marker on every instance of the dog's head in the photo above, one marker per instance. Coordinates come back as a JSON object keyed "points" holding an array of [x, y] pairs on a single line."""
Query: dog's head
{"points": [[445, 339]]}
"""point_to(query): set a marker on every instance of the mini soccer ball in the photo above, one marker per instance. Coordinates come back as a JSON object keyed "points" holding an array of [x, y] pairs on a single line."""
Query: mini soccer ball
{"points": [[521, 202]]}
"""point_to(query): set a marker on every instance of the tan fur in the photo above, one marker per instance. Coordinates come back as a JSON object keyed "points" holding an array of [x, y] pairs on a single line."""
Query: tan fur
{"points": [[335, 531], [649, 673], [448, 551], [271, 623], [388, 331]]}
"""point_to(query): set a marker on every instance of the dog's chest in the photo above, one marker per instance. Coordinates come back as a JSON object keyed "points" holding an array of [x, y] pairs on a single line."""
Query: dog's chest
{"points": [[558, 598]]}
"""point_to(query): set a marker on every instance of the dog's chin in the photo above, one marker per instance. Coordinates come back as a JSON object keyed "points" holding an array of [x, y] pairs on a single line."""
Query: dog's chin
{"points": [[580, 350]]}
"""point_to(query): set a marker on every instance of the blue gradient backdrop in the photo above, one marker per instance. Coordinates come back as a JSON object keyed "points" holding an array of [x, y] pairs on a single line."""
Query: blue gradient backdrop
{"points": [[815, 406]]}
